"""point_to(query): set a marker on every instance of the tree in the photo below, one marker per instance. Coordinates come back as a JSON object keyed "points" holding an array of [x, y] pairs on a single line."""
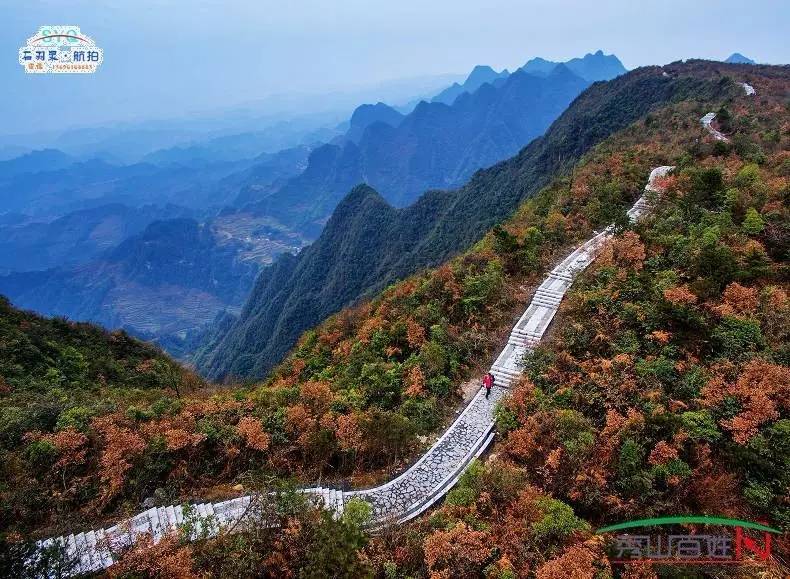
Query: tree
{"points": [[753, 224], [461, 551], [253, 433], [585, 561], [335, 545]]}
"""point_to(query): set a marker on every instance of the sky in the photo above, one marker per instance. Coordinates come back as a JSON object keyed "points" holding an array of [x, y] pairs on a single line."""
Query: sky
{"points": [[165, 58]]}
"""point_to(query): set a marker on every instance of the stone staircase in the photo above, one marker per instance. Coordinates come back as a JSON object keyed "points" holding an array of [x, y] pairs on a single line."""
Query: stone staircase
{"points": [[416, 489]]}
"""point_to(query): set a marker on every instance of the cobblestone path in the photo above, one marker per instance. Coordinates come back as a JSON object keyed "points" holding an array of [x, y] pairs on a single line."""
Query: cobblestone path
{"points": [[425, 482]]}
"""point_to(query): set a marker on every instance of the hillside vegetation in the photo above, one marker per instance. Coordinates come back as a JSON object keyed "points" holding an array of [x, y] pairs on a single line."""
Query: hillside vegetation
{"points": [[367, 244], [662, 389], [358, 392]]}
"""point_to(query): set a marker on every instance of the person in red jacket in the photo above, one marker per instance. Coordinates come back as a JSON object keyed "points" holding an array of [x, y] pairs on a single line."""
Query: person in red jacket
{"points": [[488, 381]]}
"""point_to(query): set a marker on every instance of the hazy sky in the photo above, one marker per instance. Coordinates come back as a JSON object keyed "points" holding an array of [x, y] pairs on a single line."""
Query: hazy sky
{"points": [[165, 57]]}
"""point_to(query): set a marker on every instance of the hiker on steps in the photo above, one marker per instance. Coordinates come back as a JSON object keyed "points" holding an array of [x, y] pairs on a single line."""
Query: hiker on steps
{"points": [[488, 381]]}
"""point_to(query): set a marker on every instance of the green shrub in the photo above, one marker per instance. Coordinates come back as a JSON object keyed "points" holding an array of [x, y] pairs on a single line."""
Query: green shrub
{"points": [[139, 414], [41, 453], [461, 497], [558, 522], [423, 413], [506, 420], [675, 468], [440, 386], [77, 417], [752, 224], [14, 422], [357, 512], [700, 425], [737, 339]]}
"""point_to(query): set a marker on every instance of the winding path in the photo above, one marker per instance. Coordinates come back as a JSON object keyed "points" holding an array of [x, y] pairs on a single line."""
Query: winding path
{"points": [[419, 487], [707, 119], [706, 122]]}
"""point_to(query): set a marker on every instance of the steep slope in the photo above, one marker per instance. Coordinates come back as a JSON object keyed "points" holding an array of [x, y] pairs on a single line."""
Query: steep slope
{"points": [[434, 146], [368, 244], [425, 482], [55, 376], [163, 284]]}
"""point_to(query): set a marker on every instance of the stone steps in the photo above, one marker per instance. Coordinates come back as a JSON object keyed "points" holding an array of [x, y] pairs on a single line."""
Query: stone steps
{"points": [[474, 426], [505, 371], [522, 341], [561, 275], [525, 334]]}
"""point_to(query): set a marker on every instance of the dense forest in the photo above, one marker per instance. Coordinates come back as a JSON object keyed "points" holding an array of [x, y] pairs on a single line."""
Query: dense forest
{"points": [[662, 388]]}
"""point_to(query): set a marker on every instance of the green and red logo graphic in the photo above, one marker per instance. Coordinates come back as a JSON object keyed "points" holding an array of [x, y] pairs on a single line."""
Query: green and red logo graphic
{"points": [[745, 542]]}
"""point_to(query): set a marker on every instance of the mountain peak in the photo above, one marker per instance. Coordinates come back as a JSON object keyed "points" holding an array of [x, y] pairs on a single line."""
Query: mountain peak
{"points": [[366, 115], [597, 66], [738, 58], [560, 70], [480, 75], [539, 66], [481, 70], [591, 67]]}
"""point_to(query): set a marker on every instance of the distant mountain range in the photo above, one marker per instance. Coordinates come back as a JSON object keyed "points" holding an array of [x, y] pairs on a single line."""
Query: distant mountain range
{"points": [[435, 146], [591, 67], [35, 162], [440, 144], [64, 186], [246, 212], [367, 244]]}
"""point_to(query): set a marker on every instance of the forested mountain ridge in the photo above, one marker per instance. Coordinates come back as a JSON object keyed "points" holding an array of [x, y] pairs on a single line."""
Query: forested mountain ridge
{"points": [[690, 307], [436, 145], [342, 266]]}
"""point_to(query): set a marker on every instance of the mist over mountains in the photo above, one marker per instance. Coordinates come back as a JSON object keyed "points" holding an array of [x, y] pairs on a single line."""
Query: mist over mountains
{"points": [[438, 145], [83, 224]]}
